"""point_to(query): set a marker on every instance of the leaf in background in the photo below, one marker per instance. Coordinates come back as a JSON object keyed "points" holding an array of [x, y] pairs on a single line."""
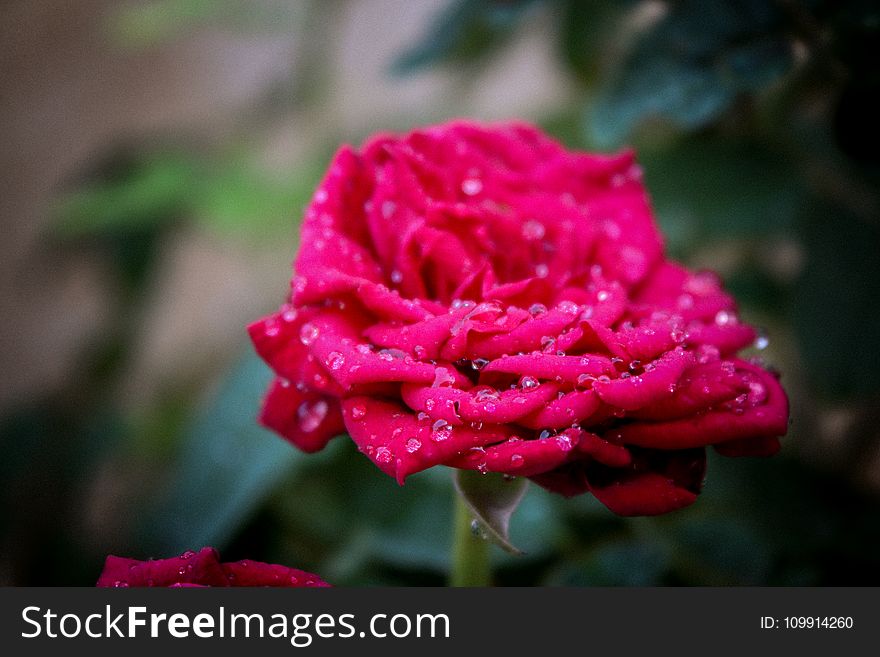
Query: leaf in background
{"points": [[586, 28], [492, 499], [621, 561], [151, 193], [835, 301], [690, 65], [239, 198], [226, 467], [466, 32], [151, 23], [710, 187]]}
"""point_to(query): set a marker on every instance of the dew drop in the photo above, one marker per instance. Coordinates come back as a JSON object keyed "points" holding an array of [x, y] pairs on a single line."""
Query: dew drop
{"points": [[528, 383], [724, 318], [357, 412], [542, 270], [396, 276], [516, 460], [568, 307], [471, 186], [383, 454], [308, 333], [533, 230], [477, 529], [335, 360], [761, 340], [585, 380], [537, 309], [413, 445], [311, 414]]}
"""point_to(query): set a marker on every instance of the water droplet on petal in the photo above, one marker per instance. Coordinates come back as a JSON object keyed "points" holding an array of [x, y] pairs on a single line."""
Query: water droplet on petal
{"points": [[311, 414], [471, 186], [528, 383], [396, 276], [308, 333], [335, 360], [357, 412], [413, 445], [383, 455], [537, 309], [723, 318], [585, 380], [542, 270], [533, 230], [516, 460]]}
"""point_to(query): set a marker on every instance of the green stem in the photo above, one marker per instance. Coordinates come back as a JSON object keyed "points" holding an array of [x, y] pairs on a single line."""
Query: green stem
{"points": [[470, 553]]}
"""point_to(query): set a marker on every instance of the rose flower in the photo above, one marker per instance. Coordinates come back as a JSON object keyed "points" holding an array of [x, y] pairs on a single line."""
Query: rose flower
{"points": [[481, 298], [202, 568]]}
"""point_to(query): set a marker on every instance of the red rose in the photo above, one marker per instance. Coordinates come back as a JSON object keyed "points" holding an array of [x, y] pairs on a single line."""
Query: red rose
{"points": [[202, 568], [481, 298]]}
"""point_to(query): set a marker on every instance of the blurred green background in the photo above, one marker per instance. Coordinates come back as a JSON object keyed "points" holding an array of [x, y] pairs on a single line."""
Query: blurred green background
{"points": [[156, 157]]}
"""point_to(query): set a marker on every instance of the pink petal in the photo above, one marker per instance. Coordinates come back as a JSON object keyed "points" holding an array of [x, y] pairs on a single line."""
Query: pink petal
{"points": [[400, 444], [202, 567], [551, 366], [480, 404], [637, 391], [307, 419], [742, 421], [519, 457], [560, 412], [256, 573]]}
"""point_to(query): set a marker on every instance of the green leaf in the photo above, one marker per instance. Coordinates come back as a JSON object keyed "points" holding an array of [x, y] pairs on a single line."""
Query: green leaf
{"points": [[492, 499], [240, 198], [705, 187], [150, 193], [835, 301], [468, 31], [226, 467], [690, 65], [586, 27]]}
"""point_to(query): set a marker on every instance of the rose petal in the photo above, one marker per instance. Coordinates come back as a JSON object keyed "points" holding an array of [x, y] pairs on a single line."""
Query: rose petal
{"points": [[654, 484], [202, 567], [307, 419], [255, 573], [767, 419], [551, 366], [571, 407], [519, 457], [396, 441], [637, 391], [481, 404]]}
